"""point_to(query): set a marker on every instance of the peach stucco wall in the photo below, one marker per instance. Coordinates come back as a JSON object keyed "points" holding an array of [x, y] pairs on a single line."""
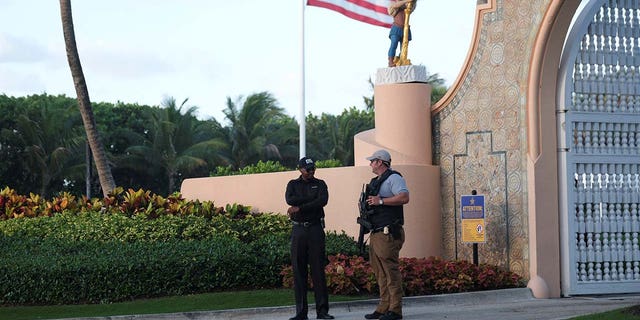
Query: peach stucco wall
{"points": [[405, 123], [265, 193]]}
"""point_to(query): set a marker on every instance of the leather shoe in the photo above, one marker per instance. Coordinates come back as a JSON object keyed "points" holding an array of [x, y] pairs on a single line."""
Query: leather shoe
{"points": [[374, 315], [298, 318], [391, 316], [325, 316]]}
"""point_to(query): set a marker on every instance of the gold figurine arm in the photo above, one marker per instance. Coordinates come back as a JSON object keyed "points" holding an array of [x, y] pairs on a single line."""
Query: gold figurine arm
{"points": [[395, 5]]}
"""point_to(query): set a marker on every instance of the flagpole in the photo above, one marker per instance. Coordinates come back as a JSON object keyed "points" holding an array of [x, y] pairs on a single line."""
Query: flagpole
{"points": [[302, 119]]}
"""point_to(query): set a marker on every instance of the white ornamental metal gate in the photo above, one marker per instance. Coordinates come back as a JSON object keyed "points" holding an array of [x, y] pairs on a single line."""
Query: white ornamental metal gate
{"points": [[598, 112]]}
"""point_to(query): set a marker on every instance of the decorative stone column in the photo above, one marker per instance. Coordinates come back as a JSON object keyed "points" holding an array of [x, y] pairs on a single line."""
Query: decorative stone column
{"points": [[402, 117]]}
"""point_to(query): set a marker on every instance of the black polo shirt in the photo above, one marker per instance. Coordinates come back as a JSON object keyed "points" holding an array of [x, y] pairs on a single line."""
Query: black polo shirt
{"points": [[310, 196]]}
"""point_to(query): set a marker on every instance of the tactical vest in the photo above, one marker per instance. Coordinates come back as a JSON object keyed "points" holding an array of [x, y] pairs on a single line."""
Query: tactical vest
{"points": [[384, 215]]}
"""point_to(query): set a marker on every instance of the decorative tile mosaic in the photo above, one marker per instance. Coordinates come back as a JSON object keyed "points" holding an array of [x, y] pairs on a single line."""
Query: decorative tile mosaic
{"points": [[479, 137]]}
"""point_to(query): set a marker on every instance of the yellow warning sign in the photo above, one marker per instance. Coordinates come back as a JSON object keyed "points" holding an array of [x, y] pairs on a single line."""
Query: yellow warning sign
{"points": [[472, 218], [473, 230]]}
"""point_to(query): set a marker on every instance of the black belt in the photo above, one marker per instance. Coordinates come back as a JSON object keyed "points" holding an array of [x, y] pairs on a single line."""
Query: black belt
{"points": [[305, 223], [376, 230]]}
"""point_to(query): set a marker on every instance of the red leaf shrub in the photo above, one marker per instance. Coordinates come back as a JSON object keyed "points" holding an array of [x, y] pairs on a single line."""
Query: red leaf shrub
{"points": [[353, 275], [287, 276], [349, 275]]}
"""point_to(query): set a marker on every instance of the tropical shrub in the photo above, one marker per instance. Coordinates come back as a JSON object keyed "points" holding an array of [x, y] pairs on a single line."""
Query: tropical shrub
{"points": [[135, 244], [331, 163], [267, 167], [259, 167], [353, 275]]}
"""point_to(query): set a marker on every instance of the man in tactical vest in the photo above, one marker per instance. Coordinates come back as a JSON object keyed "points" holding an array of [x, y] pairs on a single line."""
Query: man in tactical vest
{"points": [[386, 194]]}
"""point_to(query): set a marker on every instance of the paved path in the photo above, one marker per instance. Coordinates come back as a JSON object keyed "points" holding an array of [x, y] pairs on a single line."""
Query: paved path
{"points": [[512, 304]]}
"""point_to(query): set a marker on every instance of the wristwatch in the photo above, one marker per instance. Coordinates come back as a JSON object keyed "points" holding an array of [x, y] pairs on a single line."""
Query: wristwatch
{"points": [[380, 202]]}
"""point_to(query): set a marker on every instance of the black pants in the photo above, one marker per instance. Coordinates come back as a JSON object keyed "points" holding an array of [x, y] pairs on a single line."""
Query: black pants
{"points": [[308, 249]]}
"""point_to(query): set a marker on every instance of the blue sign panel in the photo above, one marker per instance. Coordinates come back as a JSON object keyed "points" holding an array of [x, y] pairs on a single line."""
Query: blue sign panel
{"points": [[472, 207]]}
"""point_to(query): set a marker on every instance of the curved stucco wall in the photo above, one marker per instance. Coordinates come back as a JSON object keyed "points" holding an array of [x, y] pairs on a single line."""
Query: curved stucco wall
{"points": [[403, 121], [265, 193], [542, 164]]}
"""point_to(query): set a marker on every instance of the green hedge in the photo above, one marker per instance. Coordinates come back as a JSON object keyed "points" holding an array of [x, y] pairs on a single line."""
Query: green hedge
{"points": [[86, 226], [92, 257], [58, 271]]}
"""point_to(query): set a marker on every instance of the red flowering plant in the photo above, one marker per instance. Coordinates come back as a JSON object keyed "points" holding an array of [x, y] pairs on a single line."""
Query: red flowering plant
{"points": [[433, 275], [287, 276], [349, 275], [345, 276]]}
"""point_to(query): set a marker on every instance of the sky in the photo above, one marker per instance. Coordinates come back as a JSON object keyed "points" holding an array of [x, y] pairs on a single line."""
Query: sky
{"points": [[143, 51]]}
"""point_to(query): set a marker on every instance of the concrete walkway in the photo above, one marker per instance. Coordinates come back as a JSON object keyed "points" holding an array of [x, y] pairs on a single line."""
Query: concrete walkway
{"points": [[512, 304]]}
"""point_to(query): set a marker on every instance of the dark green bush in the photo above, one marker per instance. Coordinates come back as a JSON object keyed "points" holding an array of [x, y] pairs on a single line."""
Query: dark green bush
{"points": [[271, 252], [267, 167], [331, 163], [92, 257], [87, 226], [340, 243], [57, 271], [259, 167]]}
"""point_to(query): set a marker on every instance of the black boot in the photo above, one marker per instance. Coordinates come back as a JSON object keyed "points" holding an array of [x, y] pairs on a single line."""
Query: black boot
{"points": [[374, 315], [391, 316]]}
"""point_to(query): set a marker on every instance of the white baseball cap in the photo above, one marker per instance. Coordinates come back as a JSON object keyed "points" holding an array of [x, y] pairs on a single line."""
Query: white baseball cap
{"points": [[380, 155]]}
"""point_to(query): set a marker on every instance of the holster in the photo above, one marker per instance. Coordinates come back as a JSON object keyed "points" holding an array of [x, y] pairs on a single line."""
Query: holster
{"points": [[395, 231]]}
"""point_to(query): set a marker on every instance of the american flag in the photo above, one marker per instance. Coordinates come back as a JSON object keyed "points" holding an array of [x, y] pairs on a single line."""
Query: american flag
{"points": [[369, 11]]}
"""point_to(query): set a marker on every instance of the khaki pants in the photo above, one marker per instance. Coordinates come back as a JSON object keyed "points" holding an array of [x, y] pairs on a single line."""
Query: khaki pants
{"points": [[384, 255]]}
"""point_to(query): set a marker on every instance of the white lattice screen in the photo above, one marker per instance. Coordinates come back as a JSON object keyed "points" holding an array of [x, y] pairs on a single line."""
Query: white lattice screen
{"points": [[600, 120]]}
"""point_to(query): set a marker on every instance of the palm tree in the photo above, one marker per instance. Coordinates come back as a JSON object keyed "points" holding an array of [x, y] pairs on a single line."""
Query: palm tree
{"points": [[438, 88], [282, 141], [172, 150], [50, 145], [249, 129], [84, 103], [332, 136]]}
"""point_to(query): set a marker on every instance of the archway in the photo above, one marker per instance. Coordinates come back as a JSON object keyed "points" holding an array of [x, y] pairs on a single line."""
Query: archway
{"points": [[573, 124]]}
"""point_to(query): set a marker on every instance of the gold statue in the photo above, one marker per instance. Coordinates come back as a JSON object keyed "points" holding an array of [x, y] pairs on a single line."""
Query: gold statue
{"points": [[400, 31]]}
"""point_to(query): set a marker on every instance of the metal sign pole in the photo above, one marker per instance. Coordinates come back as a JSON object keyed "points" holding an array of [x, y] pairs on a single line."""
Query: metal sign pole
{"points": [[475, 244]]}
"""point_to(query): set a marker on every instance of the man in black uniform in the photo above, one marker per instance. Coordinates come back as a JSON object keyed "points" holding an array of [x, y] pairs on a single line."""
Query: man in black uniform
{"points": [[306, 197]]}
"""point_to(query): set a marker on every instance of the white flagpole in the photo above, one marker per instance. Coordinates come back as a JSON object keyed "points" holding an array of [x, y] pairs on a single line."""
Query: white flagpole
{"points": [[302, 119]]}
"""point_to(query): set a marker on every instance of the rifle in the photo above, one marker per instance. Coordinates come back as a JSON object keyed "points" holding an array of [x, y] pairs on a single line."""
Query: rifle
{"points": [[363, 218]]}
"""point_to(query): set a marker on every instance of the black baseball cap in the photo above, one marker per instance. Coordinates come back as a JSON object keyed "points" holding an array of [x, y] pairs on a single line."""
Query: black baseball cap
{"points": [[306, 163]]}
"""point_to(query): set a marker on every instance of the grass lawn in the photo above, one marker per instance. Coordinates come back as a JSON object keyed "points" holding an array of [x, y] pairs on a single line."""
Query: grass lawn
{"points": [[200, 302], [631, 313], [214, 301]]}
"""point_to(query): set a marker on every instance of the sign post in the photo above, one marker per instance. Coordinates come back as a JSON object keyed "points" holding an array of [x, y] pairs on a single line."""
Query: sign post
{"points": [[472, 221]]}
